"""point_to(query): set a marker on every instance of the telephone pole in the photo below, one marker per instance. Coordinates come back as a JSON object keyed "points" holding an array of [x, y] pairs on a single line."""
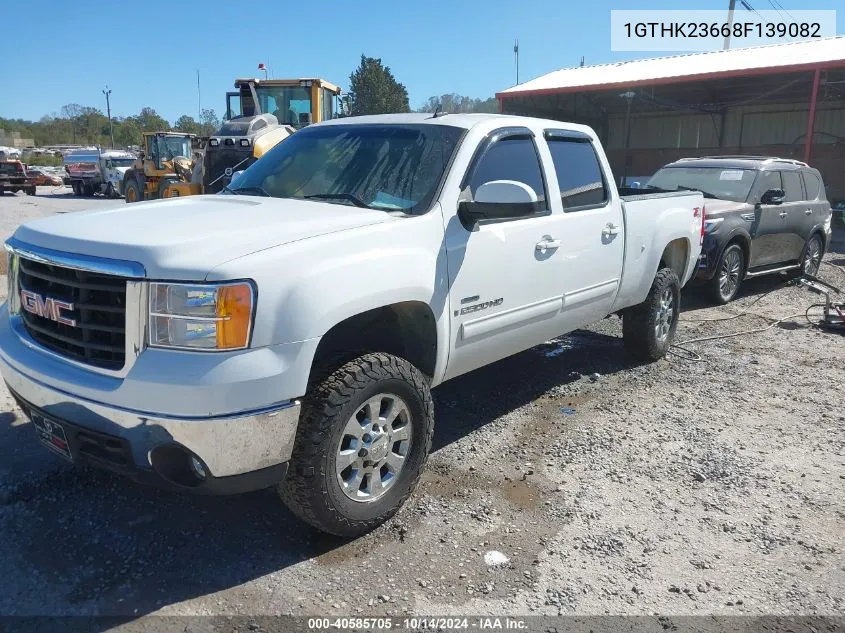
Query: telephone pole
{"points": [[516, 57], [107, 92], [731, 8]]}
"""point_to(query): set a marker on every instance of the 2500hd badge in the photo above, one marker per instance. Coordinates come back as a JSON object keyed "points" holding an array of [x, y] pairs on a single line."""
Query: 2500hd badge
{"points": [[479, 306]]}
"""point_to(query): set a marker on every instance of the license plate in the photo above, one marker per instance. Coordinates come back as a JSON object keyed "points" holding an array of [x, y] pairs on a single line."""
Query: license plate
{"points": [[51, 434]]}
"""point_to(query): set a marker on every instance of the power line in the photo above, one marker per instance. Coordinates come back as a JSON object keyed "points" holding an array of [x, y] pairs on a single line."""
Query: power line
{"points": [[748, 7], [771, 2], [792, 17]]}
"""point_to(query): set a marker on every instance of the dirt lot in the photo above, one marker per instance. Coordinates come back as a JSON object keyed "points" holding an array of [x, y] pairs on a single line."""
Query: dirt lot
{"points": [[712, 486]]}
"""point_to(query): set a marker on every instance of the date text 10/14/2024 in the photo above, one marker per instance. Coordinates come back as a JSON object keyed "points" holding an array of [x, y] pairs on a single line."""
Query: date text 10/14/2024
{"points": [[482, 623]]}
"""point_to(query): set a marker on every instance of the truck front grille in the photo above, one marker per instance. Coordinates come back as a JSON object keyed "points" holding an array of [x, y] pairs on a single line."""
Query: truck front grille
{"points": [[97, 335]]}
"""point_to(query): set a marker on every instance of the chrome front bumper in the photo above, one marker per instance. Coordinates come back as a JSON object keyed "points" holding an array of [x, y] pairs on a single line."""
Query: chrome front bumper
{"points": [[227, 446]]}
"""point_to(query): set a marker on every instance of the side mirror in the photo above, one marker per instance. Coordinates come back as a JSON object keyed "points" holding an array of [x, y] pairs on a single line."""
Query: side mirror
{"points": [[773, 196], [236, 175], [304, 119], [498, 200]]}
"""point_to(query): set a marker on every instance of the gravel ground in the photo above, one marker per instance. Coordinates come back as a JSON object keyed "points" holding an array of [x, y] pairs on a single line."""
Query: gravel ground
{"points": [[594, 485]]}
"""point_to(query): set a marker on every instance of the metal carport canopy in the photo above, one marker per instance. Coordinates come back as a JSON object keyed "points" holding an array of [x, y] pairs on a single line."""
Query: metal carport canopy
{"points": [[739, 62]]}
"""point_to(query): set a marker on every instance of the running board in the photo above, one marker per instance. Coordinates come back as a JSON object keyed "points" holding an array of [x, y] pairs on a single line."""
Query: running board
{"points": [[769, 271]]}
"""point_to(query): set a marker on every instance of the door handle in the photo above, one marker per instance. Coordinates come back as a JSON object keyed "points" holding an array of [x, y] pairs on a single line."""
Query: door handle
{"points": [[808, 212], [782, 214], [547, 243], [610, 229]]}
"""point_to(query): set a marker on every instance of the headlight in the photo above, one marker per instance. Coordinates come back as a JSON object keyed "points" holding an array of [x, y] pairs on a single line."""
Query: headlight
{"points": [[207, 317]]}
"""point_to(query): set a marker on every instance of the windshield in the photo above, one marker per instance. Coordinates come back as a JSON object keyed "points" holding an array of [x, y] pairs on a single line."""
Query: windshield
{"points": [[389, 167], [713, 182], [172, 146], [286, 103], [122, 162]]}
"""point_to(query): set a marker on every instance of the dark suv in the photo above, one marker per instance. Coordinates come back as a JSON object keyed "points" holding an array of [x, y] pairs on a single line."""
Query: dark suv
{"points": [[763, 215]]}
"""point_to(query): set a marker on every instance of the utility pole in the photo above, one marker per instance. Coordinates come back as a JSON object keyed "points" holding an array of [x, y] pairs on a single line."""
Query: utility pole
{"points": [[107, 92], [516, 58], [731, 8]]}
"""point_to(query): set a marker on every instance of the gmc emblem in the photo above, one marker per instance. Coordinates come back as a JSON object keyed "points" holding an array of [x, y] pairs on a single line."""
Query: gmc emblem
{"points": [[46, 307]]}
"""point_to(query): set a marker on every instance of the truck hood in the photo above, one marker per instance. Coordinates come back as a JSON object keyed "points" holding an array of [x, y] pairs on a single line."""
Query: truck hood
{"points": [[720, 207], [186, 238]]}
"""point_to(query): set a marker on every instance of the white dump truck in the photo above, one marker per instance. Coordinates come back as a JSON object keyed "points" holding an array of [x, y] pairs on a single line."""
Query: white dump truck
{"points": [[94, 171]]}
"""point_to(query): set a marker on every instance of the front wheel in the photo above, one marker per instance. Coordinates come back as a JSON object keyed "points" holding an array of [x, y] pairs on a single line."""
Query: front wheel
{"points": [[648, 329], [133, 191], [363, 438], [729, 274]]}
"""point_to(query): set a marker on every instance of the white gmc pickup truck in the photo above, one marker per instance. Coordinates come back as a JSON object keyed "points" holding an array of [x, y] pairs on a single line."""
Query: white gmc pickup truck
{"points": [[287, 331]]}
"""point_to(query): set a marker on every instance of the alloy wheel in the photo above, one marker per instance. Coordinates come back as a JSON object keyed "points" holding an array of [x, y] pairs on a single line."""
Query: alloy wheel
{"points": [[374, 447]]}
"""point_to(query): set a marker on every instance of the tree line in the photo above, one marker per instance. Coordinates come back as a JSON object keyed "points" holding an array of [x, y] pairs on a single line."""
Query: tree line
{"points": [[76, 124], [373, 89]]}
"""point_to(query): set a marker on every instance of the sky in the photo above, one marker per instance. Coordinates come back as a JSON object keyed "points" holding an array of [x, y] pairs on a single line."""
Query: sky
{"points": [[149, 54]]}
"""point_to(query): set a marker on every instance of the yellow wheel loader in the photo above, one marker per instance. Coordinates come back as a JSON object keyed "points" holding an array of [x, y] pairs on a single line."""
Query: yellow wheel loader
{"points": [[262, 113], [167, 168]]}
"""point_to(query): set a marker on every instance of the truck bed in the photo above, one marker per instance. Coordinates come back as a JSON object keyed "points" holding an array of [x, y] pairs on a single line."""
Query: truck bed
{"points": [[650, 221]]}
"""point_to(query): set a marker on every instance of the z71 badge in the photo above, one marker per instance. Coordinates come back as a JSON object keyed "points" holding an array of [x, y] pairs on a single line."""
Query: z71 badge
{"points": [[479, 306]]}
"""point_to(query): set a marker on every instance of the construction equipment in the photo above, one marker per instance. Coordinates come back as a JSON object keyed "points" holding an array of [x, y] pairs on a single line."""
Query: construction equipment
{"points": [[262, 113], [259, 115], [168, 167]]}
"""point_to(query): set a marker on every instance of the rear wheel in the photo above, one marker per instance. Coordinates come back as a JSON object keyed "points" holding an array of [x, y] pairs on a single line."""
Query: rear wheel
{"points": [[363, 438], [648, 329], [77, 190], [811, 258], [133, 190], [729, 275]]}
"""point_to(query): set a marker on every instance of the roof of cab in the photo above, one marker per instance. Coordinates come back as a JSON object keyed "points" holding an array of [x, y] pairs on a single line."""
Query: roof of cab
{"points": [[463, 120]]}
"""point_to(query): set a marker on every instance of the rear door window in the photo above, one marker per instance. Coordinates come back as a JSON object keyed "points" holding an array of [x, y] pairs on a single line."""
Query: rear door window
{"points": [[792, 186], [579, 174], [811, 184]]}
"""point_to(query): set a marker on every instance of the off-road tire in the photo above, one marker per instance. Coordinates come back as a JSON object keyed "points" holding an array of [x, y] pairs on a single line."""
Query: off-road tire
{"points": [[714, 288], [77, 189], [639, 322], [133, 190], [164, 183], [311, 490]]}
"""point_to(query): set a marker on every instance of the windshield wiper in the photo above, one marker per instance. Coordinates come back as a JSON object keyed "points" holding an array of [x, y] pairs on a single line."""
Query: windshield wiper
{"points": [[340, 196], [244, 190]]}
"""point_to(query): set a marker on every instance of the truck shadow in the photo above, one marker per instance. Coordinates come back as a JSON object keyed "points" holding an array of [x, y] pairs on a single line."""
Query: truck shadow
{"points": [[83, 541]]}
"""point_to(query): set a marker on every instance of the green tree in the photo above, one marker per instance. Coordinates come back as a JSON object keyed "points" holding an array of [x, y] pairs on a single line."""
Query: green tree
{"points": [[72, 112], [187, 124], [150, 121], [374, 90], [458, 103], [127, 132], [209, 122]]}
